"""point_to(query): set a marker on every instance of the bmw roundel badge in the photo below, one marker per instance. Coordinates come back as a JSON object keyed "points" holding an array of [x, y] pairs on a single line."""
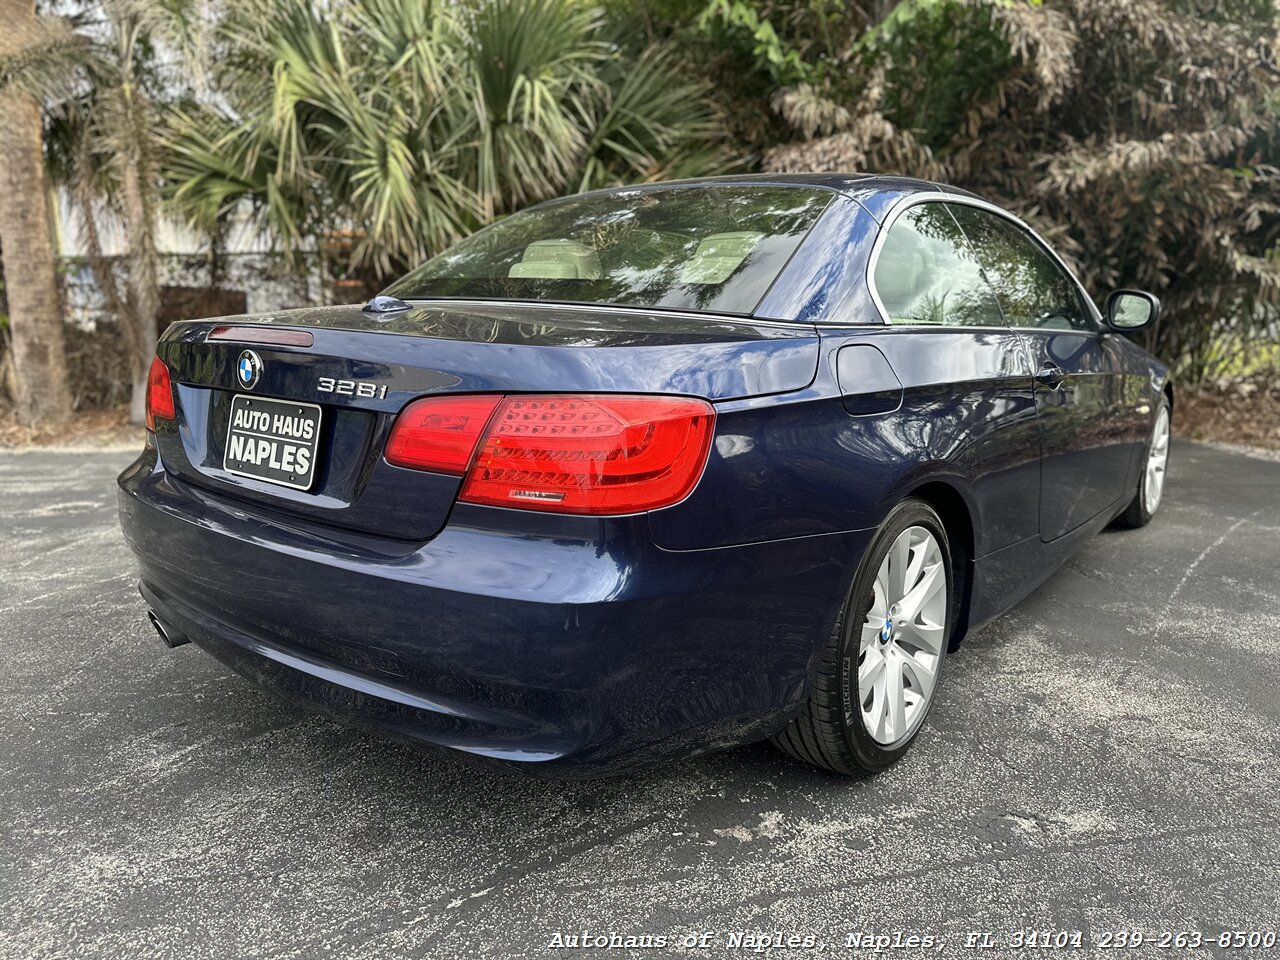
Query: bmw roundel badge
{"points": [[248, 369]]}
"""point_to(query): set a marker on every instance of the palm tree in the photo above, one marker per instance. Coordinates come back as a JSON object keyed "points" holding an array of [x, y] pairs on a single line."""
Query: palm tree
{"points": [[96, 82], [30, 284], [414, 123]]}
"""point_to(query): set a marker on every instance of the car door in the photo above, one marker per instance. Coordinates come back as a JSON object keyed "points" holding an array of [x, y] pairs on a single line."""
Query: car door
{"points": [[966, 378], [1084, 443]]}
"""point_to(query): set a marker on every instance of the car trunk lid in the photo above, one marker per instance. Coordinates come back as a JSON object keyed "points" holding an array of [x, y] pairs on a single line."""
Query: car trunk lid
{"points": [[358, 370]]}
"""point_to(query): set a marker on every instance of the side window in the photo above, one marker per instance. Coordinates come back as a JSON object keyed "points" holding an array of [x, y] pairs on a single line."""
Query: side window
{"points": [[1033, 290], [926, 274]]}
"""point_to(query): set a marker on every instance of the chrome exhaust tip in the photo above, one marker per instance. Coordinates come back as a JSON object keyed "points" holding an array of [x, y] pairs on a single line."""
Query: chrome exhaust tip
{"points": [[170, 637]]}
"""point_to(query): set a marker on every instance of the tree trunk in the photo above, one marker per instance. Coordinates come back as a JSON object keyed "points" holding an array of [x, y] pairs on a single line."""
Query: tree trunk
{"points": [[138, 398], [35, 312], [143, 283], [137, 182]]}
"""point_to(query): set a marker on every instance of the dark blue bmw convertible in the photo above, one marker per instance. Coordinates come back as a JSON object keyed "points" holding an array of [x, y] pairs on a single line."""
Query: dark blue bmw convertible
{"points": [[650, 471]]}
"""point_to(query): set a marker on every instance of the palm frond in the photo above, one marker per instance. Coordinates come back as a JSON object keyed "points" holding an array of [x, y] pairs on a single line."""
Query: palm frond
{"points": [[48, 59], [653, 122]]}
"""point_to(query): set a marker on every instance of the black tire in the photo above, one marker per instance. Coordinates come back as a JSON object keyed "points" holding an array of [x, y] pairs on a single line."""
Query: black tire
{"points": [[829, 731], [1139, 513]]}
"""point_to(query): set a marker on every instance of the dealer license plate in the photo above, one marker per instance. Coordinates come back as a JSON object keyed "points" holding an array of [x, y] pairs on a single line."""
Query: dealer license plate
{"points": [[273, 440]]}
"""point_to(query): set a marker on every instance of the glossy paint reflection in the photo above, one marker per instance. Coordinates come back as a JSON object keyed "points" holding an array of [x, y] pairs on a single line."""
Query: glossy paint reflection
{"points": [[472, 347], [1090, 433], [803, 465]]}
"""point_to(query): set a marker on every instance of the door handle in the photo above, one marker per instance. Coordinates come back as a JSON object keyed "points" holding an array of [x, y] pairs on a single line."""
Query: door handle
{"points": [[1051, 376]]}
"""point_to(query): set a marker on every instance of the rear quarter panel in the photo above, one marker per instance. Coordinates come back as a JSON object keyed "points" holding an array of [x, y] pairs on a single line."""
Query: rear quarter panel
{"points": [[803, 464]]}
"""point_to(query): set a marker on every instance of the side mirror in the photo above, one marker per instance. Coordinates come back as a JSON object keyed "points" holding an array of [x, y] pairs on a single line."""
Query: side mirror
{"points": [[1129, 310]]}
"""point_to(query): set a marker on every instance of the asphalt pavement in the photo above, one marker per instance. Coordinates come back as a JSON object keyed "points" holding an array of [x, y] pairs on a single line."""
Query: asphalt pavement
{"points": [[1104, 758]]}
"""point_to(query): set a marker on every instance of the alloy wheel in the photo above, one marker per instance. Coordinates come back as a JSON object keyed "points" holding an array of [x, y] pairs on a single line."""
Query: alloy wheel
{"points": [[1157, 461], [902, 637]]}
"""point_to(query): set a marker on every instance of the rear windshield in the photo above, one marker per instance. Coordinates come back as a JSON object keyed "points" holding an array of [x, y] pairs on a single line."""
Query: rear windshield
{"points": [[708, 248]]}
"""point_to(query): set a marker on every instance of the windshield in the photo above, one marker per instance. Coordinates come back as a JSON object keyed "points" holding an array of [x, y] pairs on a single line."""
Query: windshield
{"points": [[707, 248]]}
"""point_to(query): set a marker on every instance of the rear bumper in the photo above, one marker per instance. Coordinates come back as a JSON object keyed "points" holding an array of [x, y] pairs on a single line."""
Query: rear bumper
{"points": [[566, 651]]}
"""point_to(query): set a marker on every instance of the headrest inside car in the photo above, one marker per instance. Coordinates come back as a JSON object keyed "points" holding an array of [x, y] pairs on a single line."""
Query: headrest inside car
{"points": [[557, 260], [718, 256]]}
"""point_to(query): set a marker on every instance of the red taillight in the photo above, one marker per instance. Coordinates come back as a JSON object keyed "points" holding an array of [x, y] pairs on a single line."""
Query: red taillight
{"points": [[592, 454], [159, 394], [440, 433]]}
